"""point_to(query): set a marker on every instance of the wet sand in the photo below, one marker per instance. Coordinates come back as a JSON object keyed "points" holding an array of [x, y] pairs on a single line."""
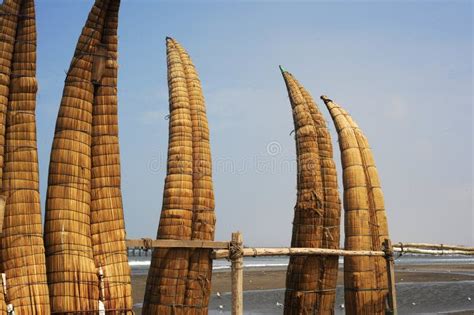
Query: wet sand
{"points": [[271, 281]]}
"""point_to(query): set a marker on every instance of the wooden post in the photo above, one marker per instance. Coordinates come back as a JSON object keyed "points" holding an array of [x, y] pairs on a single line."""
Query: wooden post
{"points": [[237, 261], [392, 294]]}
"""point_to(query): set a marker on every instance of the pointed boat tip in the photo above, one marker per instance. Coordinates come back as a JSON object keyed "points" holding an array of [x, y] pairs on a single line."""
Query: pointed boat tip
{"points": [[325, 99]]}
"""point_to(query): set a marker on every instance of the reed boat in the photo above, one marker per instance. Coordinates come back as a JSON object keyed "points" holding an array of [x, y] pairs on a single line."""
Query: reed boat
{"points": [[365, 277], [311, 280], [84, 230], [23, 266], [179, 280]]}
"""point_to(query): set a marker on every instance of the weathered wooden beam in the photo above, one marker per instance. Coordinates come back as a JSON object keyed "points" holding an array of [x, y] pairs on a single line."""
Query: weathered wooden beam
{"points": [[392, 293], [432, 251], [149, 243], [237, 269], [221, 249], [287, 251], [433, 246]]}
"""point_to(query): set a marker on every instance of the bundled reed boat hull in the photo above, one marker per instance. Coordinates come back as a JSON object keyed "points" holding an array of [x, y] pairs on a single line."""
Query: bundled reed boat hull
{"points": [[311, 280], [22, 249], [365, 278], [107, 219], [179, 281], [166, 282], [198, 286], [84, 230]]}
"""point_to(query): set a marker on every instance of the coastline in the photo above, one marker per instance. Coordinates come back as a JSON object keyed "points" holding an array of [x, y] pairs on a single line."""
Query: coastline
{"points": [[269, 282]]}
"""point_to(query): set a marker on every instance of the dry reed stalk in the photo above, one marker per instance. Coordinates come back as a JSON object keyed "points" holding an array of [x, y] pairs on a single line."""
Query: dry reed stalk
{"points": [[23, 258], [311, 280], [198, 287], [167, 276], [72, 274], [107, 219], [365, 278]]}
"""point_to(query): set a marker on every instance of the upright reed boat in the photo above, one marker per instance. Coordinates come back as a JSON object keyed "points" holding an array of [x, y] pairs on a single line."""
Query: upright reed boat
{"points": [[24, 288], [107, 218], [365, 278], [311, 280], [84, 230], [179, 280]]}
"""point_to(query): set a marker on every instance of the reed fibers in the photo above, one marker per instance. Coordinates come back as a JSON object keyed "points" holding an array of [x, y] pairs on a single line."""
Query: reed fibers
{"points": [[332, 206], [72, 275], [198, 286], [365, 278], [23, 254], [167, 276], [9, 11], [179, 281], [311, 280], [107, 219]]}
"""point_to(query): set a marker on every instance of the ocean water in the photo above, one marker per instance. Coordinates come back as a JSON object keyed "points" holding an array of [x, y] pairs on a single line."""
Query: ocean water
{"points": [[140, 264], [412, 298]]}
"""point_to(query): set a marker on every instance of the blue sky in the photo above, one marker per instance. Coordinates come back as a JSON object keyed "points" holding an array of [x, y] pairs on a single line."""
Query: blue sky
{"points": [[402, 69]]}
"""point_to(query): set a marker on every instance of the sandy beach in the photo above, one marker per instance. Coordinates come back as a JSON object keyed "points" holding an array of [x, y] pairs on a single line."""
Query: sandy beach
{"points": [[420, 283]]}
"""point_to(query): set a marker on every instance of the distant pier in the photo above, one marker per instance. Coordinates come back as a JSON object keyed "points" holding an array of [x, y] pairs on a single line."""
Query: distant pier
{"points": [[139, 251]]}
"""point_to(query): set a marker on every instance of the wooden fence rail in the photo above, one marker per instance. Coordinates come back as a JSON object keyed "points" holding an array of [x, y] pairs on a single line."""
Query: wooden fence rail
{"points": [[235, 252], [148, 243], [437, 252], [434, 246]]}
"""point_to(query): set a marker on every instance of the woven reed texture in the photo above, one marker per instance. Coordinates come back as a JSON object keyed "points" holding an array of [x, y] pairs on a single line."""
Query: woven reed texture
{"points": [[179, 281], [107, 219], [198, 287], [72, 274], [167, 276], [9, 11], [365, 278], [23, 255], [311, 280], [332, 206]]}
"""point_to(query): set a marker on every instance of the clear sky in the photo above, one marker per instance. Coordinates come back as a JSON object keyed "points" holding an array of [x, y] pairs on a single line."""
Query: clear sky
{"points": [[402, 69]]}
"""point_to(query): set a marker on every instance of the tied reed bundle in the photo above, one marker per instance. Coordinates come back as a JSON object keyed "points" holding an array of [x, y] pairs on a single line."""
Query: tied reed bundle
{"points": [[23, 259], [84, 228], [365, 278], [166, 282], [198, 286], [311, 280], [179, 280], [9, 11], [107, 220]]}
